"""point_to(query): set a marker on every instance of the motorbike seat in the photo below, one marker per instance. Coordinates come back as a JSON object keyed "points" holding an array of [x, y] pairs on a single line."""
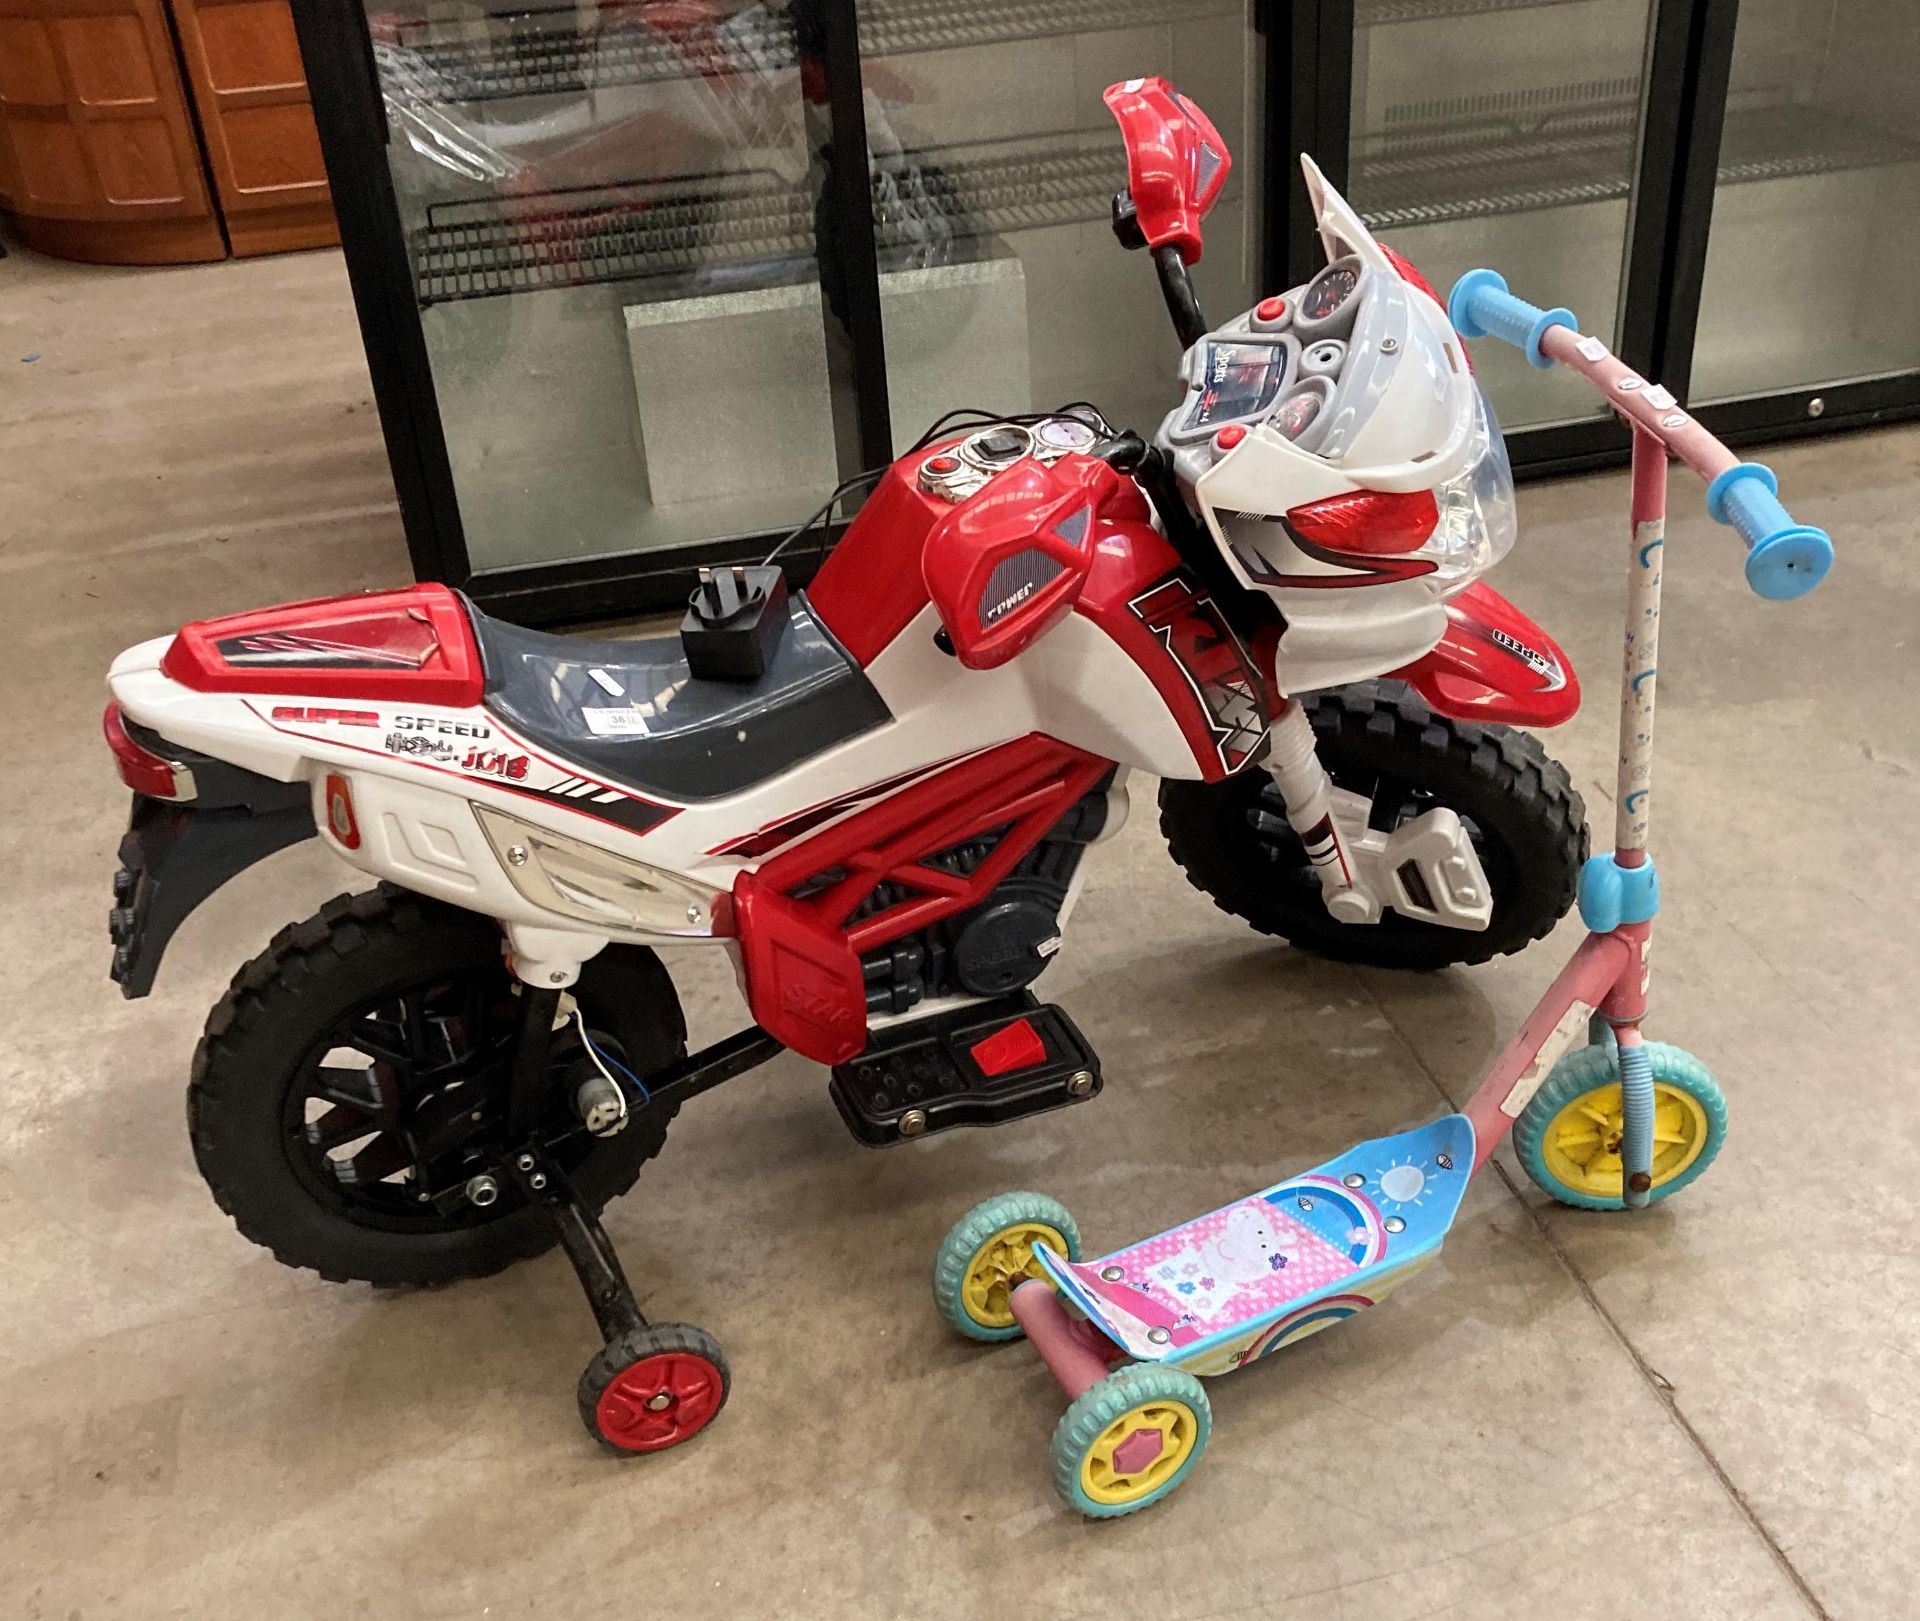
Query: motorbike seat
{"points": [[629, 710]]}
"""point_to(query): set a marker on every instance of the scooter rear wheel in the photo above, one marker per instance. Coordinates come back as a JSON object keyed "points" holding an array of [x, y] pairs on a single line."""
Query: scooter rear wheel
{"points": [[1377, 738], [1126, 1442]]}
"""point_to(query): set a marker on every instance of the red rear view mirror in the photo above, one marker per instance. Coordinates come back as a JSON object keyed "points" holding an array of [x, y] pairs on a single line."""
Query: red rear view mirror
{"points": [[1176, 162]]}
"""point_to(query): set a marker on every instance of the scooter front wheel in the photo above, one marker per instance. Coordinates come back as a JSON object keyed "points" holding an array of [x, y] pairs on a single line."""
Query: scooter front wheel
{"points": [[1377, 738], [1568, 1136]]}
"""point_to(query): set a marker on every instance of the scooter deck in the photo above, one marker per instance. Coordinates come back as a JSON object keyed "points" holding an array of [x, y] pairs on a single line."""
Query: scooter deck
{"points": [[1216, 1292]]}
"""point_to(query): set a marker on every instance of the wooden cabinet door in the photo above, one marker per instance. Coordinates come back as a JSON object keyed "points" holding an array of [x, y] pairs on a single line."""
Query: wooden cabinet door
{"points": [[263, 148], [94, 120]]}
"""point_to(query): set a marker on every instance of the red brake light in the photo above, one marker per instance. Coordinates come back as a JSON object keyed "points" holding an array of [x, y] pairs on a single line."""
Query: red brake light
{"points": [[1370, 522], [141, 771]]}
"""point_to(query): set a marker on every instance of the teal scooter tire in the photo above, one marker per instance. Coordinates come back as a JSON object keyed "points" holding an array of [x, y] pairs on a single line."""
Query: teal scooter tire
{"points": [[1129, 1440], [989, 1251], [1567, 1137]]}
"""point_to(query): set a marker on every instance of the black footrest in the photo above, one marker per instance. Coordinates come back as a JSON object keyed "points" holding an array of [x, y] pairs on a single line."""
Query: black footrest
{"points": [[975, 1066]]}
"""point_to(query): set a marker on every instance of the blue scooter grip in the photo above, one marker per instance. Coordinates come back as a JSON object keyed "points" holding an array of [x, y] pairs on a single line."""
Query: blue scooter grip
{"points": [[1481, 307], [1784, 559]]}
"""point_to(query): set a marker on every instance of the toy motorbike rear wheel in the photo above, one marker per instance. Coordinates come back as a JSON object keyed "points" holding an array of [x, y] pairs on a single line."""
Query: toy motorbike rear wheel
{"points": [[348, 1094], [1377, 738]]}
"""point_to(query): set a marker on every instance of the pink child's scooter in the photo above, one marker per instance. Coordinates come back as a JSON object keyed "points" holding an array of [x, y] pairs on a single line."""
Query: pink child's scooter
{"points": [[1615, 1124]]}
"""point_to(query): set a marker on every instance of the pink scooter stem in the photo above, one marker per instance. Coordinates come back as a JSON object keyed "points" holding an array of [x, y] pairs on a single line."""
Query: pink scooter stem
{"points": [[1633, 796], [1557, 1023], [1608, 973]]}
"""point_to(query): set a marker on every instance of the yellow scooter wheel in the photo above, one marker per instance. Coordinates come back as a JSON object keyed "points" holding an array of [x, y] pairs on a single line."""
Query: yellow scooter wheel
{"points": [[988, 1253], [1569, 1135], [1129, 1440]]}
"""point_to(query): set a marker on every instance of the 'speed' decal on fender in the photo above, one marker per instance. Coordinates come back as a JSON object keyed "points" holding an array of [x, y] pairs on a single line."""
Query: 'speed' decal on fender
{"points": [[1553, 675], [443, 744]]}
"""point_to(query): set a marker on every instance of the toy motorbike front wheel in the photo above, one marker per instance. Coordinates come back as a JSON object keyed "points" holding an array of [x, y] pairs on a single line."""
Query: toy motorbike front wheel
{"points": [[348, 1095], [1525, 818]]}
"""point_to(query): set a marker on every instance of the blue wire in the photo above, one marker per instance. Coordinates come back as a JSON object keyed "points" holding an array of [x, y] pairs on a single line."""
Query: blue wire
{"points": [[613, 1063]]}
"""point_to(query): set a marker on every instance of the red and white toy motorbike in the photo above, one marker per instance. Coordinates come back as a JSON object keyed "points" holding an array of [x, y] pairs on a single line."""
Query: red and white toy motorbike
{"points": [[874, 795]]}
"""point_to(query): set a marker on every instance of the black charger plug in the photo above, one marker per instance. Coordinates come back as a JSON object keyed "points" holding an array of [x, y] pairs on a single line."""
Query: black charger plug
{"points": [[735, 619]]}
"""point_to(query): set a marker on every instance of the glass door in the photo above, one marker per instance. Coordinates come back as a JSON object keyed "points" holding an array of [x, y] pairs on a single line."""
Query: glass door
{"points": [[1506, 133], [994, 165], [609, 211], [1816, 211]]}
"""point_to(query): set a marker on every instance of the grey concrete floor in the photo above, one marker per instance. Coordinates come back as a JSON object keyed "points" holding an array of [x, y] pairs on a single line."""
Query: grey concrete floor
{"points": [[1709, 1410]]}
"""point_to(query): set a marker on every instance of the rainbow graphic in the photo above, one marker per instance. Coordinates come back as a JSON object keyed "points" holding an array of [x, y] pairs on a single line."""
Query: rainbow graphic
{"points": [[1314, 1315], [1297, 1325], [1352, 1224]]}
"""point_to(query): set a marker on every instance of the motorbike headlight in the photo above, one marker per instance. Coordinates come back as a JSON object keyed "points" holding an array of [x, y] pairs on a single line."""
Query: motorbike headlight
{"points": [[581, 881], [1477, 520]]}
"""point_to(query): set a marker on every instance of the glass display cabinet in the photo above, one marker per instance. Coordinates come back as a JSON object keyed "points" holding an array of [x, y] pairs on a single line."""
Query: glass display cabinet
{"points": [[1482, 137], [646, 278], [996, 111], [642, 280], [1808, 284], [1723, 188]]}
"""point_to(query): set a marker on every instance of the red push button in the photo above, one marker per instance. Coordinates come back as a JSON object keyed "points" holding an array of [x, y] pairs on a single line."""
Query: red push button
{"points": [[1017, 1047], [941, 464], [1270, 309], [1229, 436]]}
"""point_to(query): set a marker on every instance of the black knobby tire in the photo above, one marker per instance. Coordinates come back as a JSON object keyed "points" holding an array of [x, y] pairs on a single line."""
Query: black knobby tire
{"points": [[261, 1051], [1377, 738]]}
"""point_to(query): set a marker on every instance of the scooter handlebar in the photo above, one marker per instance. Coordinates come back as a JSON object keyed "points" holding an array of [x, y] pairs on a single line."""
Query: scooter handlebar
{"points": [[1784, 559], [1481, 307]]}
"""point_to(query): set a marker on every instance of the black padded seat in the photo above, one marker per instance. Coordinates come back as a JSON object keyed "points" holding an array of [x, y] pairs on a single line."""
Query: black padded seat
{"points": [[629, 710]]}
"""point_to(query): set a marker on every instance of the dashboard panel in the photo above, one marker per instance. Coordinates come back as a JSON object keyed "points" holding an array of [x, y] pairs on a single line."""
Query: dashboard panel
{"points": [[1280, 363], [1241, 382]]}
